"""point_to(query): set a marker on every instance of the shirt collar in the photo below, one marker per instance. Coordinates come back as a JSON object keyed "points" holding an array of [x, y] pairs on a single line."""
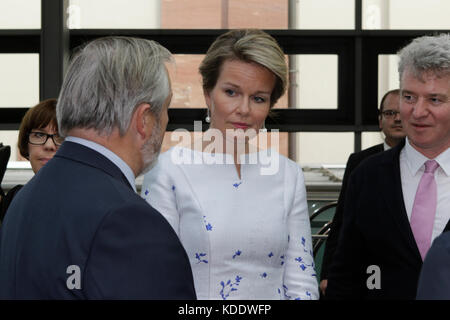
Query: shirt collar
{"points": [[416, 160], [122, 165], [444, 161]]}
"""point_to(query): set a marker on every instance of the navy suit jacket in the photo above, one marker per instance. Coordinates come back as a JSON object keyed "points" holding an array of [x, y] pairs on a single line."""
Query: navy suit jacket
{"points": [[332, 241], [376, 232], [77, 230], [434, 280]]}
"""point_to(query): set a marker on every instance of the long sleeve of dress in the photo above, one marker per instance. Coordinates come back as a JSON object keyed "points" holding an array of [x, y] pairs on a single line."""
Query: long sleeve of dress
{"points": [[300, 280], [158, 190]]}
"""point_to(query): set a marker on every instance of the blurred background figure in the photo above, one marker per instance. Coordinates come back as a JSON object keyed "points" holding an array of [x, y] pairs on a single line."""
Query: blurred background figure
{"points": [[389, 119], [392, 129], [247, 234], [38, 141], [5, 153]]}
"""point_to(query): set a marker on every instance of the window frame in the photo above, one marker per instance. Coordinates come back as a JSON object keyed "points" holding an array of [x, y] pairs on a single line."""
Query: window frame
{"points": [[357, 52]]}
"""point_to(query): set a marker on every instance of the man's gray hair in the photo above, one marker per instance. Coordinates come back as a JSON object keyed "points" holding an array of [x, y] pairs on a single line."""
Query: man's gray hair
{"points": [[107, 79], [427, 53]]}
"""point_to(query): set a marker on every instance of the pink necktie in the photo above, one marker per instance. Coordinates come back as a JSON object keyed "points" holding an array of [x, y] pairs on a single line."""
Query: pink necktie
{"points": [[424, 208]]}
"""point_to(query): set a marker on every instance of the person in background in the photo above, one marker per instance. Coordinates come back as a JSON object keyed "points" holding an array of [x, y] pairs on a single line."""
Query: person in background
{"points": [[77, 229], [391, 126], [397, 201], [5, 153], [38, 142], [247, 234]]}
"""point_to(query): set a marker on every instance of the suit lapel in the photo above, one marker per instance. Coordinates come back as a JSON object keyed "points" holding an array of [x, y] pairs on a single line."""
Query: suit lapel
{"points": [[447, 227], [90, 157], [392, 194]]}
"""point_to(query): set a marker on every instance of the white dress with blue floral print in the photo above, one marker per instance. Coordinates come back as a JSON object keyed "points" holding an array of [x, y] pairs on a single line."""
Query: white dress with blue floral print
{"points": [[246, 238]]}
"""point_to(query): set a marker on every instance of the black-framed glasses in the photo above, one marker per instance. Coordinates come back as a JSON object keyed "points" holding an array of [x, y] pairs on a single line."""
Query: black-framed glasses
{"points": [[40, 138], [390, 113]]}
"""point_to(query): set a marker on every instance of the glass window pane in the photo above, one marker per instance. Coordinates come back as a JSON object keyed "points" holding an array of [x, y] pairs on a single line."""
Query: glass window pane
{"points": [[20, 14], [9, 138], [324, 14], [178, 14], [224, 14], [114, 14], [194, 14], [264, 14], [387, 74], [369, 139], [19, 81], [187, 82], [406, 14], [315, 148], [375, 14], [317, 88]]}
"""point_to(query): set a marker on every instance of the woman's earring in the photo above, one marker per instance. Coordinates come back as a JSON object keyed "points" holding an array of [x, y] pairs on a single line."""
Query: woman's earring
{"points": [[208, 118]]}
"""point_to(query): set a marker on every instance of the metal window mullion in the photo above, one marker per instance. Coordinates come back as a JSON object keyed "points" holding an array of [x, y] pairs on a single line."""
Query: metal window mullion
{"points": [[54, 51], [358, 76]]}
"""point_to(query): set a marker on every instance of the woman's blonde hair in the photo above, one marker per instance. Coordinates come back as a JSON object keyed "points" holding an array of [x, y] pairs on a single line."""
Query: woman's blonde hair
{"points": [[248, 45]]}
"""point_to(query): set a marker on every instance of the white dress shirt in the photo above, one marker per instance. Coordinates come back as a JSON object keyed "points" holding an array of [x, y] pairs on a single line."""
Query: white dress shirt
{"points": [[412, 167], [386, 147], [246, 238]]}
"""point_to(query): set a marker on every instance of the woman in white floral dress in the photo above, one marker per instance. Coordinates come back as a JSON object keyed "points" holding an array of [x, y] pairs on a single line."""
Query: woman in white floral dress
{"points": [[241, 214]]}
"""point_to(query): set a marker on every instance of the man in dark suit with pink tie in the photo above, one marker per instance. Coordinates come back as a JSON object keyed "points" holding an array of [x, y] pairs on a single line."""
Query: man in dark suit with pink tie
{"points": [[397, 201], [391, 126]]}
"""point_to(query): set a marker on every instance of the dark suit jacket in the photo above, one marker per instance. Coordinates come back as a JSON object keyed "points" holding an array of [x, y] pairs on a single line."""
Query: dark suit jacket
{"points": [[79, 210], [434, 280], [375, 232], [330, 246]]}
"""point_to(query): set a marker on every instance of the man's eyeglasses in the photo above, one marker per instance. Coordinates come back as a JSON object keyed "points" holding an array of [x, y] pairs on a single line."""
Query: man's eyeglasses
{"points": [[40, 138], [390, 113]]}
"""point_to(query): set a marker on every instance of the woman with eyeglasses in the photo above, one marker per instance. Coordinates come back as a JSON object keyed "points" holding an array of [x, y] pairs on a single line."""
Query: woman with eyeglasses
{"points": [[38, 142]]}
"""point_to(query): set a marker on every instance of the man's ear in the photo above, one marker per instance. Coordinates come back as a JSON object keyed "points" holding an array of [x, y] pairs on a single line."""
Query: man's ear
{"points": [[380, 122], [144, 120]]}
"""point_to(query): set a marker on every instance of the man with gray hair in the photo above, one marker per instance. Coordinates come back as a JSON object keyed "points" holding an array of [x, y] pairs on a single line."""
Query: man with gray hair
{"points": [[386, 237], [78, 230]]}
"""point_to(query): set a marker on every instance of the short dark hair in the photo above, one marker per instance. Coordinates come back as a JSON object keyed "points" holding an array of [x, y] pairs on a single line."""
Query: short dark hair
{"points": [[38, 117], [395, 91]]}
